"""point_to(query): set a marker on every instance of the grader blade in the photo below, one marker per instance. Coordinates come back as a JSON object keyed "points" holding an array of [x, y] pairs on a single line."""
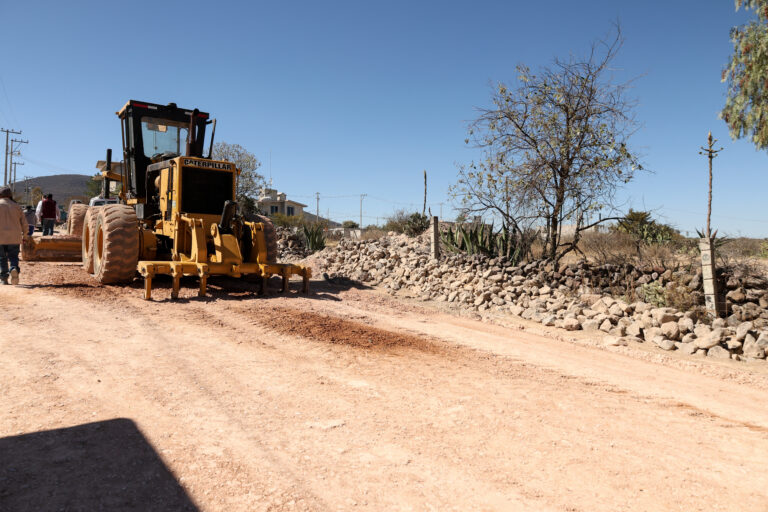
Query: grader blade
{"points": [[52, 248]]}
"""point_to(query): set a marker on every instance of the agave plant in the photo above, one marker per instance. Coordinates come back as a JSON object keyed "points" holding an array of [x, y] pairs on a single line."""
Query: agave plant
{"points": [[717, 242], [482, 239], [314, 236]]}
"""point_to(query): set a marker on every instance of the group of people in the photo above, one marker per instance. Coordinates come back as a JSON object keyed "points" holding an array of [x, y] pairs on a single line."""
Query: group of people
{"points": [[17, 224]]}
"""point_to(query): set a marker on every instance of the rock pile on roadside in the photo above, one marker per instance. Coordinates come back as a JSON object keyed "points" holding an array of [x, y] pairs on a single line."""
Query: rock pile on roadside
{"points": [[291, 245], [578, 297]]}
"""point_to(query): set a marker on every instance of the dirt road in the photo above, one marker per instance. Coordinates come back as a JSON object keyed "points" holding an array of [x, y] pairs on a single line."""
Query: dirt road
{"points": [[346, 400]]}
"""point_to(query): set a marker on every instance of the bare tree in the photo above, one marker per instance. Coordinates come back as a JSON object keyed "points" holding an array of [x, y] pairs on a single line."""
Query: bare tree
{"points": [[249, 182], [555, 148]]}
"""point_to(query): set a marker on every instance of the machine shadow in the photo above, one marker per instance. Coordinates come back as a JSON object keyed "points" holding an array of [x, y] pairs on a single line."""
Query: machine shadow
{"points": [[106, 465], [229, 288]]}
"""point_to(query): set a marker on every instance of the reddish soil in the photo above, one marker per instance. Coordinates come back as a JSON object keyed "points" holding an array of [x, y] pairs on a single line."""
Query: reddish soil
{"points": [[348, 399]]}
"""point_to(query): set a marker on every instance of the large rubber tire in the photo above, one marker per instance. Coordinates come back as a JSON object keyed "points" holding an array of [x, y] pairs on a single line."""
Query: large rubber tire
{"points": [[270, 236], [115, 244], [75, 218], [89, 228]]}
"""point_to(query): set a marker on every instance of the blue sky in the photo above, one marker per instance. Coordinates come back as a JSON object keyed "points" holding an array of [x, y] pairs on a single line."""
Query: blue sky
{"points": [[355, 98]]}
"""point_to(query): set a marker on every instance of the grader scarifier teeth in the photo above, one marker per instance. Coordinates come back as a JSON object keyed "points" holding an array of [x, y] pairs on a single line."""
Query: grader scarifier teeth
{"points": [[226, 259], [149, 269]]}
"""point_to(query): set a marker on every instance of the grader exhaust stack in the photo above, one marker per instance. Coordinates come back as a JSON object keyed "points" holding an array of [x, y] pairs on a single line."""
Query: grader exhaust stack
{"points": [[178, 214]]}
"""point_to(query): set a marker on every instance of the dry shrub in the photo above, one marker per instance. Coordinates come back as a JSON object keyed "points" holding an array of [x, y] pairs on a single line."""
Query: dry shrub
{"points": [[745, 268], [678, 296], [657, 256], [744, 248], [612, 247]]}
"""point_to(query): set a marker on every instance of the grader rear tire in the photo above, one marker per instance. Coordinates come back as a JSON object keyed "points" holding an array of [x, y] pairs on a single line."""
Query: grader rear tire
{"points": [[115, 244], [89, 228], [270, 236], [75, 219]]}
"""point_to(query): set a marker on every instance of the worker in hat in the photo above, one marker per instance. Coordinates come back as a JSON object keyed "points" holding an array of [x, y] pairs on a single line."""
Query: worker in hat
{"points": [[13, 229]]}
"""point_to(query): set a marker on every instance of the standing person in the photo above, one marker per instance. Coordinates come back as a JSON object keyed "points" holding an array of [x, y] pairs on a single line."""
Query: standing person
{"points": [[49, 212], [13, 229], [29, 214], [39, 210]]}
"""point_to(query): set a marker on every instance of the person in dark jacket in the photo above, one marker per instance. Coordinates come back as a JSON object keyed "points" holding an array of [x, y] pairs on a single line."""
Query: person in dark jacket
{"points": [[13, 228], [49, 213]]}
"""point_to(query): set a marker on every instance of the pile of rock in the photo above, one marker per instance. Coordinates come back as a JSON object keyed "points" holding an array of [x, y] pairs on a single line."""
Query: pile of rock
{"points": [[578, 297], [291, 245]]}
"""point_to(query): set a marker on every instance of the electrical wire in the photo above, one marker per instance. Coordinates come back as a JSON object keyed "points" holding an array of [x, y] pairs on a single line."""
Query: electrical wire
{"points": [[43, 164]]}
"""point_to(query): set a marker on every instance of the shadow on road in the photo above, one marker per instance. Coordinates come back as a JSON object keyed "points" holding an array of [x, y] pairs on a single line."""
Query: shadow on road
{"points": [[229, 288], [106, 465]]}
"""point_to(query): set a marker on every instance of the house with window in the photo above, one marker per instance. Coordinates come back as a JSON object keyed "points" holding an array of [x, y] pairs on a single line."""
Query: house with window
{"points": [[271, 202]]}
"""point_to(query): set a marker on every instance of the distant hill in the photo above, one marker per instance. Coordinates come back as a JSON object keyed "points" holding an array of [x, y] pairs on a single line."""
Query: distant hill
{"points": [[63, 187]]}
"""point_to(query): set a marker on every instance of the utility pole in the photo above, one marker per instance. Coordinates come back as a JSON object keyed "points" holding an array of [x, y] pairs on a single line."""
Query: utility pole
{"points": [[13, 185], [361, 209], [441, 210], [27, 190], [5, 161], [11, 164], [317, 208]]}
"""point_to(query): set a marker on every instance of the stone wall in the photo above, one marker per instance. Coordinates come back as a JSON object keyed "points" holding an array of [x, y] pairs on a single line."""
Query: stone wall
{"points": [[578, 297]]}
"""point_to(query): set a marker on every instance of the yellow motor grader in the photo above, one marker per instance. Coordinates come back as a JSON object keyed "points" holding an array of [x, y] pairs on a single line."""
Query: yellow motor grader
{"points": [[177, 213]]}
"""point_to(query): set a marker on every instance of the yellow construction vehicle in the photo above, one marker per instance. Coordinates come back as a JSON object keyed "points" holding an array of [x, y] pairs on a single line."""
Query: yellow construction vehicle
{"points": [[178, 213]]}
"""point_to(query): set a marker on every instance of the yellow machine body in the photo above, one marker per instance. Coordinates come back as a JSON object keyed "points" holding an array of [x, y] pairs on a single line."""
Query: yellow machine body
{"points": [[180, 202]]}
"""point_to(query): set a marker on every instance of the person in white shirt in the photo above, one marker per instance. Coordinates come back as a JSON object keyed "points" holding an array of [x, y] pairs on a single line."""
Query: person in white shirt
{"points": [[39, 210]]}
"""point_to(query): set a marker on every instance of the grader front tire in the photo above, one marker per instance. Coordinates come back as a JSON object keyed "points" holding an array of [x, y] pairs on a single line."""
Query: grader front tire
{"points": [[270, 236], [75, 219], [115, 244], [89, 229]]}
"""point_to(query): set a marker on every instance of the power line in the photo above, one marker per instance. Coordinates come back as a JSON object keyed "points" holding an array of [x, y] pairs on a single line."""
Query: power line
{"points": [[714, 215], [41, 163]]}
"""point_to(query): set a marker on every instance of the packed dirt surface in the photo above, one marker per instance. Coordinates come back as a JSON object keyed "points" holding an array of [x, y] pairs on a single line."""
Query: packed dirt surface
{"points": [[348, 399]]}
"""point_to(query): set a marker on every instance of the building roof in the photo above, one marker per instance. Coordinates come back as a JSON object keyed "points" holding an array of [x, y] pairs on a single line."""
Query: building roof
{"points": [[286, 201]]}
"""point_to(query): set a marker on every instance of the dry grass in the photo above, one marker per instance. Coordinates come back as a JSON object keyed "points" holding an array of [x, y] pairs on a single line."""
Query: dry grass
{"points": [[373, 233], [617, 248], [745, 248]]}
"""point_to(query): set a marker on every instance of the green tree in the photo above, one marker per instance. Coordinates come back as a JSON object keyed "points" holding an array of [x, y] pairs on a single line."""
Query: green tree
{"points": [[645, 229], [36, 195], [746, 76], [92, 188], [556, 148], [349, 224], [249, 182]]}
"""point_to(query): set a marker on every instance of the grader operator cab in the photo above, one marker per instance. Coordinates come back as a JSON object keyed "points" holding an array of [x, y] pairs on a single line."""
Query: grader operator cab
{"points": [[178, 213]]}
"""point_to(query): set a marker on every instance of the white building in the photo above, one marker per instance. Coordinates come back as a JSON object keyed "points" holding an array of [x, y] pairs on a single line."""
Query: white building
{"points": [[271, 202]]}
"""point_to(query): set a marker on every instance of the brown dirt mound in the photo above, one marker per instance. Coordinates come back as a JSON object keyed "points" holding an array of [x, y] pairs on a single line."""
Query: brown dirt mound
{"points": [[336, 330]]}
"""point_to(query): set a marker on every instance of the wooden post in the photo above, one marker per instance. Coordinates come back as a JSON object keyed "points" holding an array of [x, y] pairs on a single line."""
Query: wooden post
{"points": [[434, 239], [709, 278]]}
